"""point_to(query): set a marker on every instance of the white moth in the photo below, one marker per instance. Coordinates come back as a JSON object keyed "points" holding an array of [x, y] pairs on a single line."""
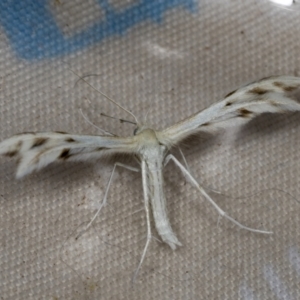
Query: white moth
{"points": [[151, 147]]}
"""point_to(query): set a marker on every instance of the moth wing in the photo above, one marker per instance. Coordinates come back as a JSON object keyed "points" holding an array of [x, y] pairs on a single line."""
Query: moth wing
{"points": [[269, 95], [36, 150]]}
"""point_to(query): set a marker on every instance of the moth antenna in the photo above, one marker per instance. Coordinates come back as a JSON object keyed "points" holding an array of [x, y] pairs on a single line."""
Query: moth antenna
{"points": [[89, 122], [121, 120], [146, 115], [108, 98], [84, 76]]}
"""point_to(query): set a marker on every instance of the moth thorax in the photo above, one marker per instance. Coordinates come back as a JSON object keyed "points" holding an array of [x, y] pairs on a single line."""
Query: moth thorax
{"points": [[147, 137]]}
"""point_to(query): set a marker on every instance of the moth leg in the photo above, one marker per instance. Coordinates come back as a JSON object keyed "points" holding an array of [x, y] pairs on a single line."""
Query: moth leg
{"points": [[147, 210], [193, 181], [184, 160], [188, 170], [104, 201]]}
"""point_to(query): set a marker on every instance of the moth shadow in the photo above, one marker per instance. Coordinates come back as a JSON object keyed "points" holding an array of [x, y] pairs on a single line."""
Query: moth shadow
{"points": [[199, 142], [78, 173], [265, 125]]}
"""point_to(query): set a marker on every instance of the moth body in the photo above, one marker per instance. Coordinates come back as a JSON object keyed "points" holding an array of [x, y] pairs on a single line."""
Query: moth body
{"points": [[153, 153]]}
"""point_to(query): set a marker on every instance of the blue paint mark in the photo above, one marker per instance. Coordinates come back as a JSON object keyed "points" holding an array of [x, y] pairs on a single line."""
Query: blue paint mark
{"points": [[34, 33]]}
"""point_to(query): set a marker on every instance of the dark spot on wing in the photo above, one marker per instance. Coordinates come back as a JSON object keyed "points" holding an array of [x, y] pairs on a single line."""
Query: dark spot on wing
{"points": [[206, 124], [11, 153], [61, 132], [228, 103], [245, 113], [231, 93], [278, 84], [70, 140], [39, 142], [286, 88], [101, 148], [65, 154], [15, 151], [290, 88], [258, 91]]}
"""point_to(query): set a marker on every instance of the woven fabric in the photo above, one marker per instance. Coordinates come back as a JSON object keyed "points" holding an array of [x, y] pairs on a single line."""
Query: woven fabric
{"points": [[163, 60]]}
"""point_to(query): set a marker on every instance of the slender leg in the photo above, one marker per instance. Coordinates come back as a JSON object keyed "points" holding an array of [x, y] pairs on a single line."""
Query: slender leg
{"points": [[188, 170], [203, 192], [184, 160], [104, 201], [146, 203]]}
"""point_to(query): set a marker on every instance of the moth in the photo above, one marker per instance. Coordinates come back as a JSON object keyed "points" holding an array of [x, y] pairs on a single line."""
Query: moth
{"points": [[152, 147]]}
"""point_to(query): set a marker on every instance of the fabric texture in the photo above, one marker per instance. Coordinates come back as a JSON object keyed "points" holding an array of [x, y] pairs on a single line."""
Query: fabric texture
{"points": [[162, 60]]}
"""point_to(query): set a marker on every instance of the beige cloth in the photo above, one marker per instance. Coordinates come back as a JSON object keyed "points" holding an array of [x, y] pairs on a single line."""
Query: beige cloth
{"points": [[166, 71]]}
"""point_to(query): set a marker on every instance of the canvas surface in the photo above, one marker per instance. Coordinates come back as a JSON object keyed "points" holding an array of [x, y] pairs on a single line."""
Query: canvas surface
{"points": [[163, 60]]}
